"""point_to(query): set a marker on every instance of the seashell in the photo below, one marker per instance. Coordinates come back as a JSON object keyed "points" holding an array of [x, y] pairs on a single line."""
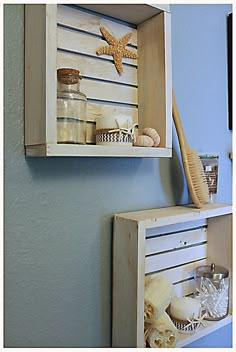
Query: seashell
{"points": [[144, 141], [151, 132]]}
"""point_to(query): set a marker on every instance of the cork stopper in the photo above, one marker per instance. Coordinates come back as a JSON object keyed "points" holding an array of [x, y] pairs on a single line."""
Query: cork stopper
{"points": [[68, 75]]}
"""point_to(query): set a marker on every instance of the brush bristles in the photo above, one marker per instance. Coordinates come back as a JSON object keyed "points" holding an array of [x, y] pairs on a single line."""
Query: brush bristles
{"points": [[198, 177]]}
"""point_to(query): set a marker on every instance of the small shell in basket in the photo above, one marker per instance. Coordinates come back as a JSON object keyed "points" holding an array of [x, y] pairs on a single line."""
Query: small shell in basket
{"points": [[151, 132], [144, 141]]}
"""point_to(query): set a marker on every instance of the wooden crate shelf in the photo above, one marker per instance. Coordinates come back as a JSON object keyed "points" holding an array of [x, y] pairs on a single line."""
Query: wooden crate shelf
{"points": [[168, 242], [68, 36]]}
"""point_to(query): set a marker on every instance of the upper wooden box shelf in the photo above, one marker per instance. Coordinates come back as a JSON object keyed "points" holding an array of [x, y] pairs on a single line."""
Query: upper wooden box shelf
{"points": [[67, 36]]}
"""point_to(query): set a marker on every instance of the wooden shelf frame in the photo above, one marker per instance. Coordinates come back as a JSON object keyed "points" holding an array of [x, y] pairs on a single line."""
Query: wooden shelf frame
{"points": [[41, 81], [131, 232]]}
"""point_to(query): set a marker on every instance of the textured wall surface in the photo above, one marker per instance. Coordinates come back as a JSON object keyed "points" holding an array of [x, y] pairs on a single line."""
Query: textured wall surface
{"points": [[199, 57], [58, 211]]}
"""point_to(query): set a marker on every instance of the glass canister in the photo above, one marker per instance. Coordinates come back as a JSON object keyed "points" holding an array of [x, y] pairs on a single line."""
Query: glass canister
{"points": [[210, 163], [212, 289], [71, 107]]}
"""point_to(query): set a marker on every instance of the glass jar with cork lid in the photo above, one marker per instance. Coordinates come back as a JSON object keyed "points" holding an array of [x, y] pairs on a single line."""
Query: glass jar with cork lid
{"points": [[71, 107]]}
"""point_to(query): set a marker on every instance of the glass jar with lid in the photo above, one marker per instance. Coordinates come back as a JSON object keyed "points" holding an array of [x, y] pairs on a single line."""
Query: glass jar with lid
{"points": [[71, 107], [212, 289]]}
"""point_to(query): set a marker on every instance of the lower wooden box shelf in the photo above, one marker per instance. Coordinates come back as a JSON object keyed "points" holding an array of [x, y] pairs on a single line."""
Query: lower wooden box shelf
{"points": [[168, 242]]}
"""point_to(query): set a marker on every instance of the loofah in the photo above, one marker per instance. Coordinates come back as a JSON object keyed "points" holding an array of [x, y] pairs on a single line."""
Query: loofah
{"points": [[157, 297], [160, 333], [151, 132], [144, 141]]}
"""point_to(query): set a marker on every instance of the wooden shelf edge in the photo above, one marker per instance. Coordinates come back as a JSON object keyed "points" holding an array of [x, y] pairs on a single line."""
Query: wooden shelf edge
{"points": [[36, 150], [182, 213], [125, 12], [96, 151], [210, 326]]}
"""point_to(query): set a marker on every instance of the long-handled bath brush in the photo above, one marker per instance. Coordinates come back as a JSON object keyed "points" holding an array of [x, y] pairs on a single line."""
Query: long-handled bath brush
{"points": [[193, 168]]}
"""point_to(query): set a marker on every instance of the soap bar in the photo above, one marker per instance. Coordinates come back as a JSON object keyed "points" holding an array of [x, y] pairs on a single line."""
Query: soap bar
{"points": [[184, 308]]}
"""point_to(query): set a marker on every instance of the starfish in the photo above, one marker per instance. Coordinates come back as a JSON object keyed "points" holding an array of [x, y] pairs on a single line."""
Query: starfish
{"points": [[195, 323], [116, 48], [128, 131]]}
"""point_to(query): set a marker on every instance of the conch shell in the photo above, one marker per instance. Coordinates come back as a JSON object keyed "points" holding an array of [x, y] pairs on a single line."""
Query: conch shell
{"points": [[151, 132], [144, 141]]}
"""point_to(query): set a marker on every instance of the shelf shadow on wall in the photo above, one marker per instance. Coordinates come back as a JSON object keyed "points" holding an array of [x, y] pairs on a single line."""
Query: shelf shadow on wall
{"points": [[59, 167], [176, 185]]}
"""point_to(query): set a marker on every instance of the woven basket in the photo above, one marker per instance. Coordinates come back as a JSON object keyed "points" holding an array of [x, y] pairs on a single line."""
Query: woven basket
{"points": [[113, 139]]}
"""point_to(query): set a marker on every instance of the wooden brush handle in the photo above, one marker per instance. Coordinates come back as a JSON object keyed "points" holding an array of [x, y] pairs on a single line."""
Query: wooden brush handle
{"points": [[179, 128]]}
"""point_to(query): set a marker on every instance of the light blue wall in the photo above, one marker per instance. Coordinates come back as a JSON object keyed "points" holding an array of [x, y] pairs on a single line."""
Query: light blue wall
{"points": [[200, 83], [58, 211], [199, 54]]}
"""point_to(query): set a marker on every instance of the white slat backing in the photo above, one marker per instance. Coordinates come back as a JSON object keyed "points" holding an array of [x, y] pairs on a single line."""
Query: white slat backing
{"points": [[174, 251], [175, 227], [84, 43], [94, 110], [90, 67], [180, 273], [108, 93], [167, 260], [185, 288], [88, 22], [175, 241]]}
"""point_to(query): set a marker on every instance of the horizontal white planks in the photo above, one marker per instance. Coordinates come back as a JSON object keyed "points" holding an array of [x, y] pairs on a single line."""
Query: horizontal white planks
{"points": [[94, 110], [166, 260], [185, 288], [177, 274], [89, 67], [178, 227], [175, 241], [80, 19], [174, 251], [83, 43], [182, 277], [108, 93]]}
